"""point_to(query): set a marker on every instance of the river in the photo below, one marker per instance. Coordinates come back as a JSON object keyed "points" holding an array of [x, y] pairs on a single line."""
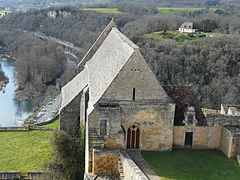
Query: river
{"points": [[12, 111]]}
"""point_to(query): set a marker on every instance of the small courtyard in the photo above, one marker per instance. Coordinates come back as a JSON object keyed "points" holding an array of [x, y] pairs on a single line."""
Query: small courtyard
{"points": [[192, 164]]}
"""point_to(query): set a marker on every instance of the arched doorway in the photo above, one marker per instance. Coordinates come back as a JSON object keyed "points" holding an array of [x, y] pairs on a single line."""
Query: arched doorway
{"points": [[133, 137]]}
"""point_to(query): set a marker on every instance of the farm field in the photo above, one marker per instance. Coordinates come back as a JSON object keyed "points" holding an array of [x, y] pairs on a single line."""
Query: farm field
{"points": [[104, 10], [192, 164], [171, 10], [26, 151]]}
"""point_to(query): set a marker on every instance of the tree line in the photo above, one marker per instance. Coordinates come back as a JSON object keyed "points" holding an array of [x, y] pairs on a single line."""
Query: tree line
{"points": [[210, 65]]}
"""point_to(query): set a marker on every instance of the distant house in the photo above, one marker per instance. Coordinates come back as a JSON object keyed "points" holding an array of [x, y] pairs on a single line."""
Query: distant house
{"points": [[52, 14], [4, 13], [187, 27], [230, 109]]}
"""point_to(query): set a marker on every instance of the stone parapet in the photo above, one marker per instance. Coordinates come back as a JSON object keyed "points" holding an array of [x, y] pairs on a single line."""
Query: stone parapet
{"points": [[4, 129], [39, 175], [10, 175], [130, 169], [222, 120]]}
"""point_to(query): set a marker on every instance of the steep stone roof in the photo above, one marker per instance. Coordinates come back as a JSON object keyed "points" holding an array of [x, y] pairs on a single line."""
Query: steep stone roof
{"points": [[106, 63], [97, 43], [101, 69], [184, 98], [74, 87]]}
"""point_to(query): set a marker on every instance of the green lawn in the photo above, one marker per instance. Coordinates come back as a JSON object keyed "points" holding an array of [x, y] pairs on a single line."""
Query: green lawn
{"points": [[193, 165], [25, 151], [104, 10], [171, 10], [174, 35]]}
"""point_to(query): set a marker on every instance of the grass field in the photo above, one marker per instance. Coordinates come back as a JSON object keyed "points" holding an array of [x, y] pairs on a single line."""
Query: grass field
{"points": [[174, 35], [171, 10], [25, 151], [193, 165], [104, 10]]}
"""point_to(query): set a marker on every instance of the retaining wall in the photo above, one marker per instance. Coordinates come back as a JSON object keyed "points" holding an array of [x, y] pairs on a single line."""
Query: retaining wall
{"points": [[9, 175], [14, 175], [3, 129]]}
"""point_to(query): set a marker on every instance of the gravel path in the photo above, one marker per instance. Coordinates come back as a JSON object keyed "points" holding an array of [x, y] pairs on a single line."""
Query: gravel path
{"points": [[48, 112]]}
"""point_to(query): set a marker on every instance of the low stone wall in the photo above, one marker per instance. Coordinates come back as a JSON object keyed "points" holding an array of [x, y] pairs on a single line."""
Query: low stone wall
{"points": [[207, 137], [222, 120], [130, 169], [10, 175], [4, 129], [38, 175], [14, 175], [24, 128]]}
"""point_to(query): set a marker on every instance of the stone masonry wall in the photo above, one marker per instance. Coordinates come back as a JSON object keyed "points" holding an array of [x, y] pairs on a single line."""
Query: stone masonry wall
{"points": [[105, 161], [115, 135], [10, 175], [230, 144], [208, 137], [155, 122], [130, 169], [136, 74], [226, 143], [37, 175], [222, 120], [70, 117]]}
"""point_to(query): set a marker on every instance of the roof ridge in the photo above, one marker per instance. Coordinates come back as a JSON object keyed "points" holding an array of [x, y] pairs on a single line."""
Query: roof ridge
{"points": [[107, 29], [125, 39]]}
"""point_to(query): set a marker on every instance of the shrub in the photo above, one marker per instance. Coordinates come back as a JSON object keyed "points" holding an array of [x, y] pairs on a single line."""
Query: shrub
{"points": [[67, 157]]}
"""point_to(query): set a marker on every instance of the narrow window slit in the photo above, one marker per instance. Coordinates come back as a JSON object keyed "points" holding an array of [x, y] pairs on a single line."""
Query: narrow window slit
{"points": [[134, 93]]}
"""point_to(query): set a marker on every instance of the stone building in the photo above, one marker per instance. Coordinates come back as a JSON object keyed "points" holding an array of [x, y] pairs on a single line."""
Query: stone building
{"points": [[119, 100], [229, 109], [187, 27], [123, 106]]}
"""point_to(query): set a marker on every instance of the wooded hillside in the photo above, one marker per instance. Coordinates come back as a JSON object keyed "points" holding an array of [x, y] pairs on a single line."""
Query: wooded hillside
{"points": [[210, 64]]}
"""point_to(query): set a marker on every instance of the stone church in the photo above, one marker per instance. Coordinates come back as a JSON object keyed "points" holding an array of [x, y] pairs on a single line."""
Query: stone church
{"points": [[123, 106]]}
